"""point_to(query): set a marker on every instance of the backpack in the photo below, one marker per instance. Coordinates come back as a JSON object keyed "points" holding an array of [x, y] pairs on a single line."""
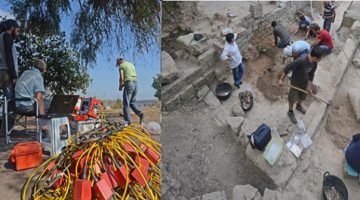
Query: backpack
{"points": [[260, 138]]}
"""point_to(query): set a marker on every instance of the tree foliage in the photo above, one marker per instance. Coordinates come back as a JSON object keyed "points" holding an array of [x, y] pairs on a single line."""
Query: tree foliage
{"points": [[157, 86], [64, 73], [97, 23]]}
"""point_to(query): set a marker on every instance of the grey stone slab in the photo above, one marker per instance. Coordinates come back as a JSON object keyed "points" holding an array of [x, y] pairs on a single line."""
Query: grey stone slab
{"points": [[220, 195], [169, 71], [245, 192], [282, 170], [354, 100]]}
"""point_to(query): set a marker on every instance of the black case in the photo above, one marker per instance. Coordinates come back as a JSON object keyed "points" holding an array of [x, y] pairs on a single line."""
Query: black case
{"points": [[262, 137]]}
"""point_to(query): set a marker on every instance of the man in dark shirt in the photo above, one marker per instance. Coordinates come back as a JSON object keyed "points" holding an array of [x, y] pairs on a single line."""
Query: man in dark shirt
{"points": [[303, 71], [8, 62], [281, 35]]}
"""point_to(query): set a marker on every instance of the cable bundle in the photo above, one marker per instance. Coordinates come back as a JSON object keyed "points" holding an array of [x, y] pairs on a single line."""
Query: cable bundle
{"points": [[113, 161]]}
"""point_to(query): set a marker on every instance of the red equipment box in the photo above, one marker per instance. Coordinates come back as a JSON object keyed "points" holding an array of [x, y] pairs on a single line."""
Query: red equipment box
{"points": [[90, 108], [26, 155]]}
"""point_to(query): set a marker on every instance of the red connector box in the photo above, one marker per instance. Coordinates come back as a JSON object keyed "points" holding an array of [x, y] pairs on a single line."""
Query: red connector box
{"points": [[152, 155], [82, 190], [102, 190]]}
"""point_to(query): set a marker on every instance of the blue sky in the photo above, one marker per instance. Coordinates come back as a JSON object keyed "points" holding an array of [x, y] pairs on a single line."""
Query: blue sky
{"points": [[105, 75]]}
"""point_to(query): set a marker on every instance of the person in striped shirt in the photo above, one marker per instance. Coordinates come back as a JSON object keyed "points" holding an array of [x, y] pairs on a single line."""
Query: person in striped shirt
{"points": [[328, 15]]}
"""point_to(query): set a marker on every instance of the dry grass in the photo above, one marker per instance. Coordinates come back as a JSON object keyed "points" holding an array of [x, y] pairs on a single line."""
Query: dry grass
{"points": [[151, 112]]}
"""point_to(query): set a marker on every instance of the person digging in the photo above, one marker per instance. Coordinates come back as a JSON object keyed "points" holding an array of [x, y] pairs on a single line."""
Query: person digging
{"points": [[303, 71]]}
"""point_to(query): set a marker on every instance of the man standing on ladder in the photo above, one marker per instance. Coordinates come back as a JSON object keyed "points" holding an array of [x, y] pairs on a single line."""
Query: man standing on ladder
{"points": [[128, 81]]}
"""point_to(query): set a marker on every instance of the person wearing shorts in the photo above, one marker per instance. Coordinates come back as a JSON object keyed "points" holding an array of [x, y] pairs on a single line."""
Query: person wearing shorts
{"points": [[303, 72]]}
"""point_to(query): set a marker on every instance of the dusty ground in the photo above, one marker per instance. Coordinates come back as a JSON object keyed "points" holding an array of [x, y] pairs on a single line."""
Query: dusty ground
{"points": [[201, 157], [12, 181]]}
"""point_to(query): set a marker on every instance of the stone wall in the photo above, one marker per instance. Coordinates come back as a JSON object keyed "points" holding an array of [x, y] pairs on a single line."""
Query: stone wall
{"points": [[254, 35]]}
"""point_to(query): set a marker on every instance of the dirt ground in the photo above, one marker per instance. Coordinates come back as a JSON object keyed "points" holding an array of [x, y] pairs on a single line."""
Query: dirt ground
{"points": [[201, 157], [12, 181]]}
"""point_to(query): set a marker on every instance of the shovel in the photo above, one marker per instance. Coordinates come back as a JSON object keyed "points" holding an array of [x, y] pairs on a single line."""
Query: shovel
{"points": [[304, 91]]}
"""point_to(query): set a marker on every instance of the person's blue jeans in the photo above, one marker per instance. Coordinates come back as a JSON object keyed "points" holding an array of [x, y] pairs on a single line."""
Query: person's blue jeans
{"points": [[129, 98], [327, 24], [325, 49], [238, 73], [303, 24]]}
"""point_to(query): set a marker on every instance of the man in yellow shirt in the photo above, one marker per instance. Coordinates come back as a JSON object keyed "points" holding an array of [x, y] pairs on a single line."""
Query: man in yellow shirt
{"points": [[128, 81]]}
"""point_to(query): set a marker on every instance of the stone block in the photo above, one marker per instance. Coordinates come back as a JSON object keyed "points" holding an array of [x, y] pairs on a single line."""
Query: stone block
{"points": [[235, 124], [247, 128], [199, 82], [169, 71], [220, 195], [202, 92], [172, 104], [237, 111], [271, 195], [245, 192], [194, 47], [256, 10], [282, 170], [348, 20], [208, 58], [210, 77], [188, 93], [212, 101], [355, 28], [354, 100], [356, 60]]}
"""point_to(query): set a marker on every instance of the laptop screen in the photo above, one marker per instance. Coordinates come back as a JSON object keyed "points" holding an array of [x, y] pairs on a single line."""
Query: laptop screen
{"points": [[63, 104]]}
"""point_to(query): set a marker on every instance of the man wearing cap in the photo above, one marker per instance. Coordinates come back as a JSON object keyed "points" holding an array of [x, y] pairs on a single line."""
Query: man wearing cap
{"points": [[8, 62], [296, 49], [128, 81]]}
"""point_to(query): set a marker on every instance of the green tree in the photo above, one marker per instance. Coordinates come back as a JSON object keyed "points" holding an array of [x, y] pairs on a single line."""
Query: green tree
{"points": [[157, 86], [65, 74], [97, 23]]}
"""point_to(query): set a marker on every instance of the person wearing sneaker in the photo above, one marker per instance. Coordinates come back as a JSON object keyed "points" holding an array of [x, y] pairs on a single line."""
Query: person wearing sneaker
{"points": [[303, 71], [232, 55], [128, 81]]}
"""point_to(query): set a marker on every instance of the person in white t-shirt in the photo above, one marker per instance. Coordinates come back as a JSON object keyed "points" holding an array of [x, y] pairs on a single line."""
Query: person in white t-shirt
{"points": [[232, 55]]}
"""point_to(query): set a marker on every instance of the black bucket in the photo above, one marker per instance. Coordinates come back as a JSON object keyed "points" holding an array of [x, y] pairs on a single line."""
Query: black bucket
{"points": [[334, 188], [223, 91]]}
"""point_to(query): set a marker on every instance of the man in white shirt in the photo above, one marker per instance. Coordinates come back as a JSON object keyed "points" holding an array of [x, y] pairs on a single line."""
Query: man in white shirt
{"points": [[232, 54]]}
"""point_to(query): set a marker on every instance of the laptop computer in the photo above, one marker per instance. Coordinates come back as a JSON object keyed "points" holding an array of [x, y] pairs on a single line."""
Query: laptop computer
{"points": [[61, 106]]}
